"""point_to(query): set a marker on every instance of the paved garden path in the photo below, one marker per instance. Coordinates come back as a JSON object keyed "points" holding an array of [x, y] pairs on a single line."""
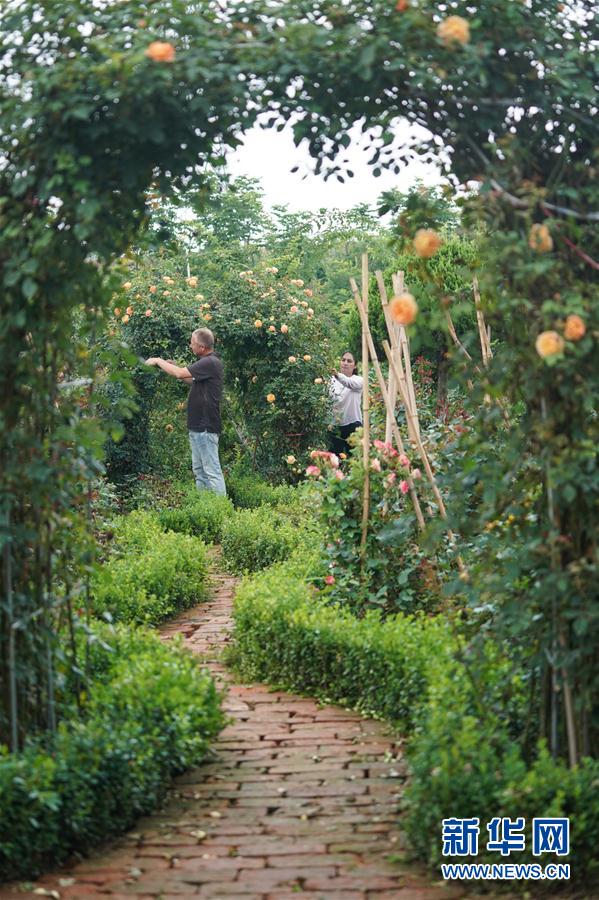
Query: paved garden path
{"points": [[299, 801]]}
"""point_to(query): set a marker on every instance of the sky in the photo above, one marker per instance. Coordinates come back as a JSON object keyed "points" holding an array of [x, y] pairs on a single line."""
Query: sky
{"points": [[270, 156]]}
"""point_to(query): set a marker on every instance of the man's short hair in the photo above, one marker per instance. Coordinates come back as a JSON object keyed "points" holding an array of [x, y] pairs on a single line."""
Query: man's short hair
{"points": [[204, 337]]}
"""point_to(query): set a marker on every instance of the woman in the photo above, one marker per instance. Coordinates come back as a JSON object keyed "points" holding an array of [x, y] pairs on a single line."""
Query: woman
{"points": [[346, 391]]}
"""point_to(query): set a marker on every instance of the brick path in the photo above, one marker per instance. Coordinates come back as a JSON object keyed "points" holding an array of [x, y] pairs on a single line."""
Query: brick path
{"points": [[299, 801]]}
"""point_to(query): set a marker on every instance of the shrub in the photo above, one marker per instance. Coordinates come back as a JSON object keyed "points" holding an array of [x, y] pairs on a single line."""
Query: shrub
{"points": [[253, 539], [465, 763], [151, 575], [201, 514], [248, 490], [285, 634], [150, 714]]}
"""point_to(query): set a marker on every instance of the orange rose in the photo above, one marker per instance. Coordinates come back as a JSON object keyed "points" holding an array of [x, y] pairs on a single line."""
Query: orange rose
{"points": [[125, 319], [129, 310], [307, 358], [426, 242], [453, 30], [117, 311], [549, 343], [271, 328], [153, 288], [284, 329], [271, 398], [258, 323], [574, 329], [127, 286], [540, 239], [403, 309], [161, 51], [192, 281]]}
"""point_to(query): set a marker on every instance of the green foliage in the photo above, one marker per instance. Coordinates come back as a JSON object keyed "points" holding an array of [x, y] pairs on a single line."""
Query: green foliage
{"points": [[253, 539], [202, 514], [286, 634], [464, 714], [249, 490], [465, 763], [150, 714], [393, 574], [151, 574]]}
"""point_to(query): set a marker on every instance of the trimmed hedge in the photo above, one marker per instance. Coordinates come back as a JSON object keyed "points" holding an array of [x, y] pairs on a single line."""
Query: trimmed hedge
{"points": [[253, 539], [464, 755], [249, 491], [201, 514], [285, 634], [151, 574], [151, 713]]}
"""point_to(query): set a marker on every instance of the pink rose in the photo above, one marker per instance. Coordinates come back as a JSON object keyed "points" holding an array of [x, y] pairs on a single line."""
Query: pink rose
{"points": [[375, 464], [404, 487], [404, 461], [314, 471], [334, 461], [329, 579], [416, 474], [390, 479], [339, 475]]}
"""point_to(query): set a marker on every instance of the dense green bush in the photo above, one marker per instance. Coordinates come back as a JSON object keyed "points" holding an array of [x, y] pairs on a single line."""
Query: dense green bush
{"points": [[151, 573], [285, 634], [248, 490], [201, 513], [465, 717], [253, 539], [466, 763], [150, 714]]}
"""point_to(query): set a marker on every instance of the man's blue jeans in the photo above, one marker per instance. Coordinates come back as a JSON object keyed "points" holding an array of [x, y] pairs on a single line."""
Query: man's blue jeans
{"points": [[205, 462]]}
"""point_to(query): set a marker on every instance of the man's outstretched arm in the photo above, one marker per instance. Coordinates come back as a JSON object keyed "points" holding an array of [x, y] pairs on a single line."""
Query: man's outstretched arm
{"points": [[180, 372]]}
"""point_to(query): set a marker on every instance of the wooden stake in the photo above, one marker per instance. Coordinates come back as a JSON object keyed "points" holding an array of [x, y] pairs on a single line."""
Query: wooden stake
{"points": [[386, 397], [485, 345], [427, 466], [365, 414], [398, 287]]}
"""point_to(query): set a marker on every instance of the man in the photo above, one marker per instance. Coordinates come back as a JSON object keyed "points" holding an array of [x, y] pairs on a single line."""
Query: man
{"points": [[205, 376]]}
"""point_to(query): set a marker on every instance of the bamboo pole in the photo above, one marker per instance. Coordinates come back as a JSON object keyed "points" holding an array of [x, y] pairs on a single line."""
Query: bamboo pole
{"points": [[393, 335], [398, 287], [365, 415], [386, 397], [485, 345], [12, 658], [429, 472]]}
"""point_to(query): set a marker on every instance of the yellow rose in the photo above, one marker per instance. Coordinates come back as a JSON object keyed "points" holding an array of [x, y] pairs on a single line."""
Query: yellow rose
{"points": [[426, 242], [271, 398], [125, 319], [292, 359], [574, 329], [307, 357], [161, 51], [549, 343], [540, 239], [318, 381], [284, 329], [290, 460], [453, 30], [403, 309], [258, 323], [127, 286]]}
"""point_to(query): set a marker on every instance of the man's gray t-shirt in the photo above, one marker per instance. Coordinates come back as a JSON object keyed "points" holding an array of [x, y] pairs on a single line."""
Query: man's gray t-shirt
{"points": [[205, 395]]}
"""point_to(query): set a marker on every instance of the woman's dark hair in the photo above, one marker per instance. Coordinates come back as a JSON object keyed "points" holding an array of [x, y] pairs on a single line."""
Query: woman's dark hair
{"points": [[349, 353]]}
